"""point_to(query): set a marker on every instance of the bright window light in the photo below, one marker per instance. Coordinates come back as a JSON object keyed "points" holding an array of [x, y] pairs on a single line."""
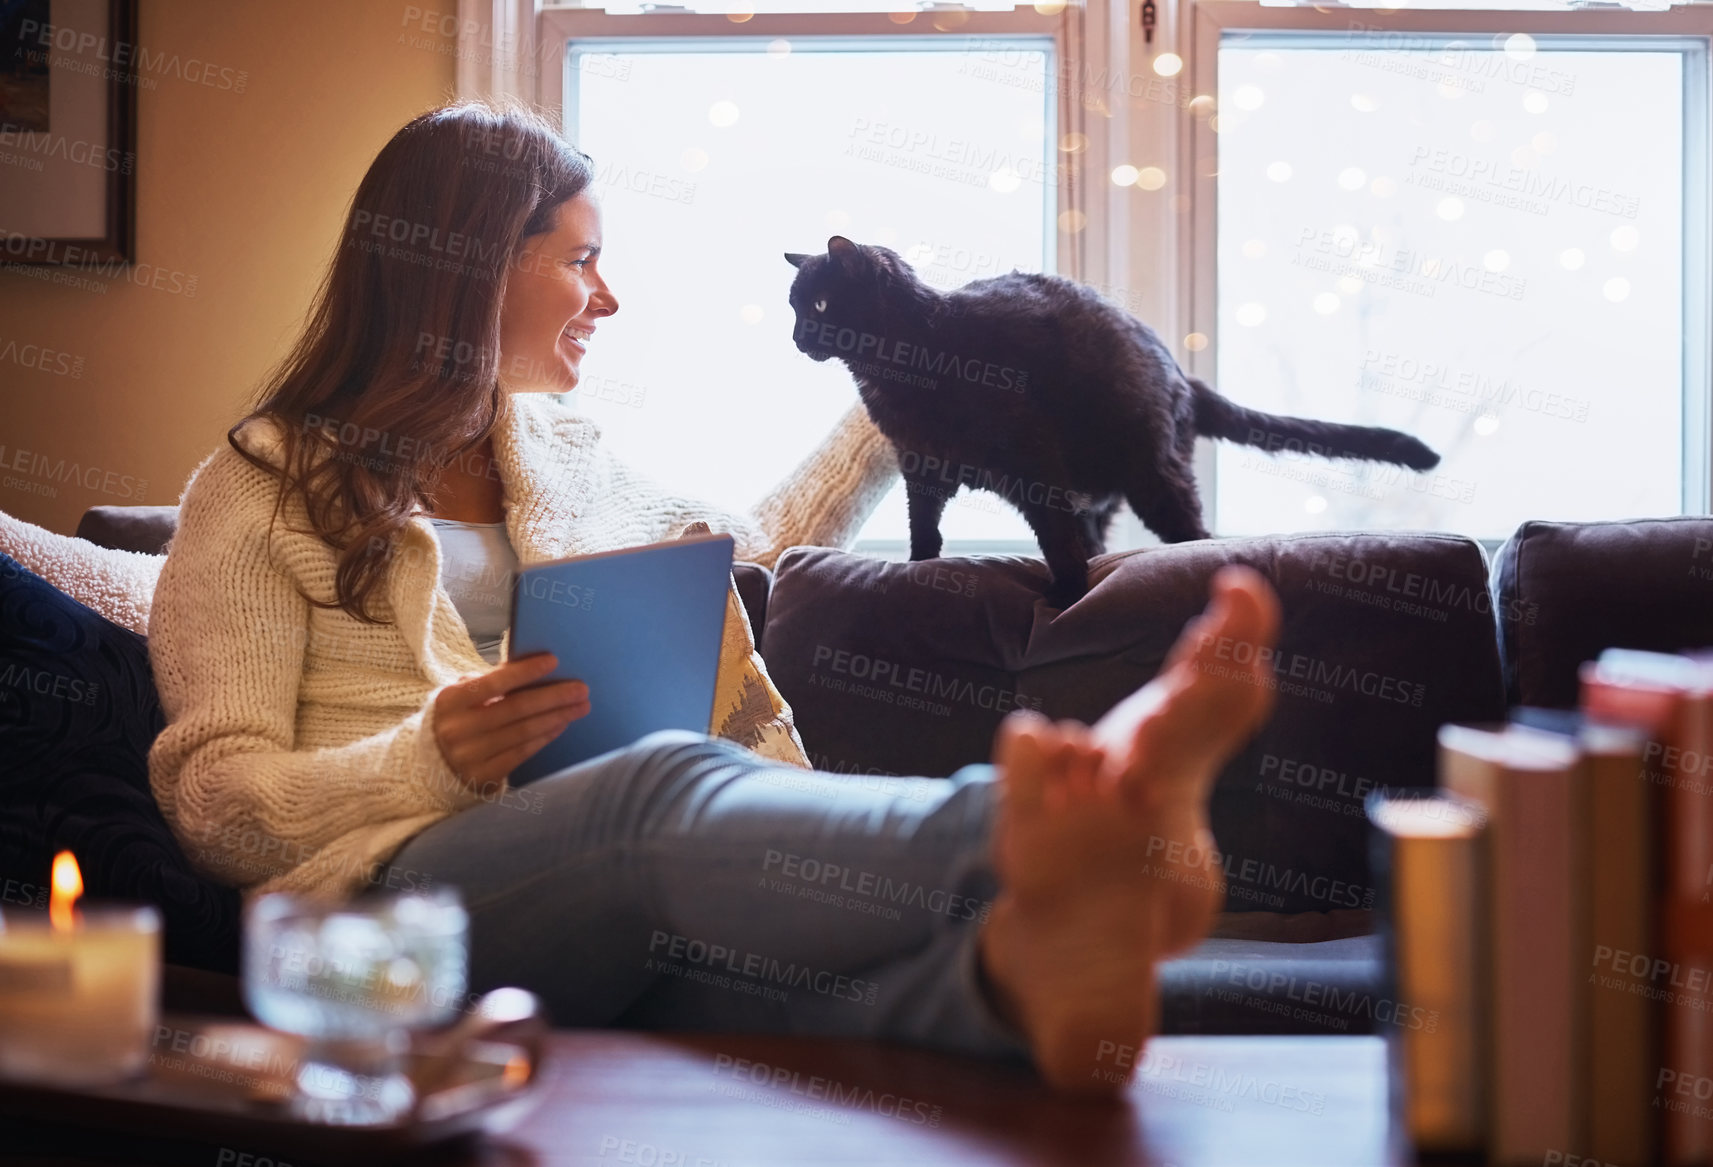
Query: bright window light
{"points": [[1482, 243], [715, 157]]}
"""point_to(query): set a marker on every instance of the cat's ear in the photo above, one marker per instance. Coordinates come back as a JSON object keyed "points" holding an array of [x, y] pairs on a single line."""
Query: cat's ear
{"points": [[848, 254], [795, 258]]}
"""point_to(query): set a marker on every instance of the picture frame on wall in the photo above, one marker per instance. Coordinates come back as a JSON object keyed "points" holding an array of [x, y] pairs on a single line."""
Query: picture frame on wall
{"points": [[68, 131]]}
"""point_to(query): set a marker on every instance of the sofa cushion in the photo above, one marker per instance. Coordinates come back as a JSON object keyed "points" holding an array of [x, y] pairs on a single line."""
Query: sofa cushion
{"points": [[908, 668], [1567, 591], [78, 712]]}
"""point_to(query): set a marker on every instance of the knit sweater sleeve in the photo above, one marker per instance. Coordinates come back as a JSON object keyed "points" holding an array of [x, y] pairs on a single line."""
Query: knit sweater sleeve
{"points": [[117, 584], [227, 644], [823, 502]]}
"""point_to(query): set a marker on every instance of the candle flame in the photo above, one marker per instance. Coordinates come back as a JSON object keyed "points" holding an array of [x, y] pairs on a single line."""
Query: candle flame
{"points": [[68, 885]]}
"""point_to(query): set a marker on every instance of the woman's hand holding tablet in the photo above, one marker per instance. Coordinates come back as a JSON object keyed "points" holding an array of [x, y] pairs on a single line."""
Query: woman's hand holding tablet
{"points": [[488, 725]]}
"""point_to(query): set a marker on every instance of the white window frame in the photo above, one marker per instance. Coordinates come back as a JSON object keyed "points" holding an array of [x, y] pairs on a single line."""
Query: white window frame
{"points": [[1196, 150]]}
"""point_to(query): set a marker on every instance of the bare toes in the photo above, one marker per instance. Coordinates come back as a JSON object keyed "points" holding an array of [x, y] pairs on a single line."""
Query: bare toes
{"points": [[1022, 752]]}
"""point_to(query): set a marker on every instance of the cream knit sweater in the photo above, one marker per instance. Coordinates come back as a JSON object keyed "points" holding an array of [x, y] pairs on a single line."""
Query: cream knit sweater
{"points": [[299, 752]]}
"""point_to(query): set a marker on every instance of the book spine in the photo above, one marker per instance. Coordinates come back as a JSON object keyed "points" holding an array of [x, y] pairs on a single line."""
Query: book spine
{"points": [[1688, 821], [1623, 1052], [1535, 968], [1674, 974], [1438, 954]]}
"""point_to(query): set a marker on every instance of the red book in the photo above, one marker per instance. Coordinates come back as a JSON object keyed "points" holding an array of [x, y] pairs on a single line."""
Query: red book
{"points": [[1671, 698]]}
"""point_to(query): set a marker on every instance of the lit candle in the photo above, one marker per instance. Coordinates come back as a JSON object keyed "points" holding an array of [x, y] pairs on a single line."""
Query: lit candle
{"points": [[79, 989]]}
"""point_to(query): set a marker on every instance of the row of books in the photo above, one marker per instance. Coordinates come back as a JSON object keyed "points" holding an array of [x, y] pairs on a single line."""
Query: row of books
{"points": [[1548, 913]]}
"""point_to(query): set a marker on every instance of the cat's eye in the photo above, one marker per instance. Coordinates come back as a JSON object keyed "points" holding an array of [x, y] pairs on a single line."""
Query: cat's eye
{"points": [[821, 304]]}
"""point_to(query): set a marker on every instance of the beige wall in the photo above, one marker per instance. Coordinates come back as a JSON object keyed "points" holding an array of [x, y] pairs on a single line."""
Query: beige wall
{"points": [[245, 192]]}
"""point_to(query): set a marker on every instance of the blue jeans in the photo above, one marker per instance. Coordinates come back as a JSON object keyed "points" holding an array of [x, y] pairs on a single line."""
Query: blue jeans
{"points": [[684, 883]]}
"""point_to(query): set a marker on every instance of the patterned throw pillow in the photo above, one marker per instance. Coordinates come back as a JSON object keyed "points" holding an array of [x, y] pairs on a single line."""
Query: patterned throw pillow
{"points": [[747, 708], [78, 713]]}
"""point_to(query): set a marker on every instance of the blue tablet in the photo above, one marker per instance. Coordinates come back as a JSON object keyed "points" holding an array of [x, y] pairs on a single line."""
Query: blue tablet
{"points": [[641, 627]]}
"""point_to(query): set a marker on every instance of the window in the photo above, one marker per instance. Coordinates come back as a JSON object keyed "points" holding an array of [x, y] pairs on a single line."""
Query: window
{"points": [[1447, 221], [716, 154], [1494, 240]]}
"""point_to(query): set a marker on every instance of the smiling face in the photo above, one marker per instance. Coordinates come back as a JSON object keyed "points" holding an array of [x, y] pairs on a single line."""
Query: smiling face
{"points": [[554, 296]]}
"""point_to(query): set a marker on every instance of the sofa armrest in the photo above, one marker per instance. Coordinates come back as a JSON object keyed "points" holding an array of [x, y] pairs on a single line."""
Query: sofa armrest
{"points": [[145, 529]]}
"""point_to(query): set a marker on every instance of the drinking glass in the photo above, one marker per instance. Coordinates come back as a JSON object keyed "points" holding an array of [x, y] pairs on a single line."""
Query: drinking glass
{"points": [[355, 979]]}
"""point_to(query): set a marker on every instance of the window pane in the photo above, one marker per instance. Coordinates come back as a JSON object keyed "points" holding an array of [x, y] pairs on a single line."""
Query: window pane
{"points": [[712, 161], [1481, 245]]}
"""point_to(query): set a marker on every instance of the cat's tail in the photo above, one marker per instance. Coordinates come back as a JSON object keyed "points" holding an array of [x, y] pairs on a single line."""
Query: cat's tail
{"points": [[1218, 417]]}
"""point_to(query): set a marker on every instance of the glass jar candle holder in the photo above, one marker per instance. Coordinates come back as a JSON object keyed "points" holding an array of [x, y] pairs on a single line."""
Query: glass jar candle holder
{"points": [[78, 1002]]}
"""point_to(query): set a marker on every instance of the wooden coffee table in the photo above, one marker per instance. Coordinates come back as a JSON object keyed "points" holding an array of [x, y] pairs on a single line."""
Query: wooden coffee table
{"points": [[650, 1100]]}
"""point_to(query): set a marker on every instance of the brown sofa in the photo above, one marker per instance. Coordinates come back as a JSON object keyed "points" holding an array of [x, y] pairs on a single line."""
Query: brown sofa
{"points": [[907, 668]]}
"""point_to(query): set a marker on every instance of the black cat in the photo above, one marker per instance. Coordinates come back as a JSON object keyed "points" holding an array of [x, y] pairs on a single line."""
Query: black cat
{"points": [[1035, 388]]}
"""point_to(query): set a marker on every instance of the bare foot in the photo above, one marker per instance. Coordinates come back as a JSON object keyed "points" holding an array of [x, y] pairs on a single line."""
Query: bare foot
{"points": [[1102, 844]]}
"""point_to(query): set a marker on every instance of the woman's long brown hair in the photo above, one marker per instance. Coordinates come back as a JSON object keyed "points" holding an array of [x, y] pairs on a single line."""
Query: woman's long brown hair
{"points": [[397, 372]]}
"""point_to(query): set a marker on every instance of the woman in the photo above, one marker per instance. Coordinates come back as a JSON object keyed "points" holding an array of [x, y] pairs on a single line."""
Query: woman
{"points": [[335, 718]]}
